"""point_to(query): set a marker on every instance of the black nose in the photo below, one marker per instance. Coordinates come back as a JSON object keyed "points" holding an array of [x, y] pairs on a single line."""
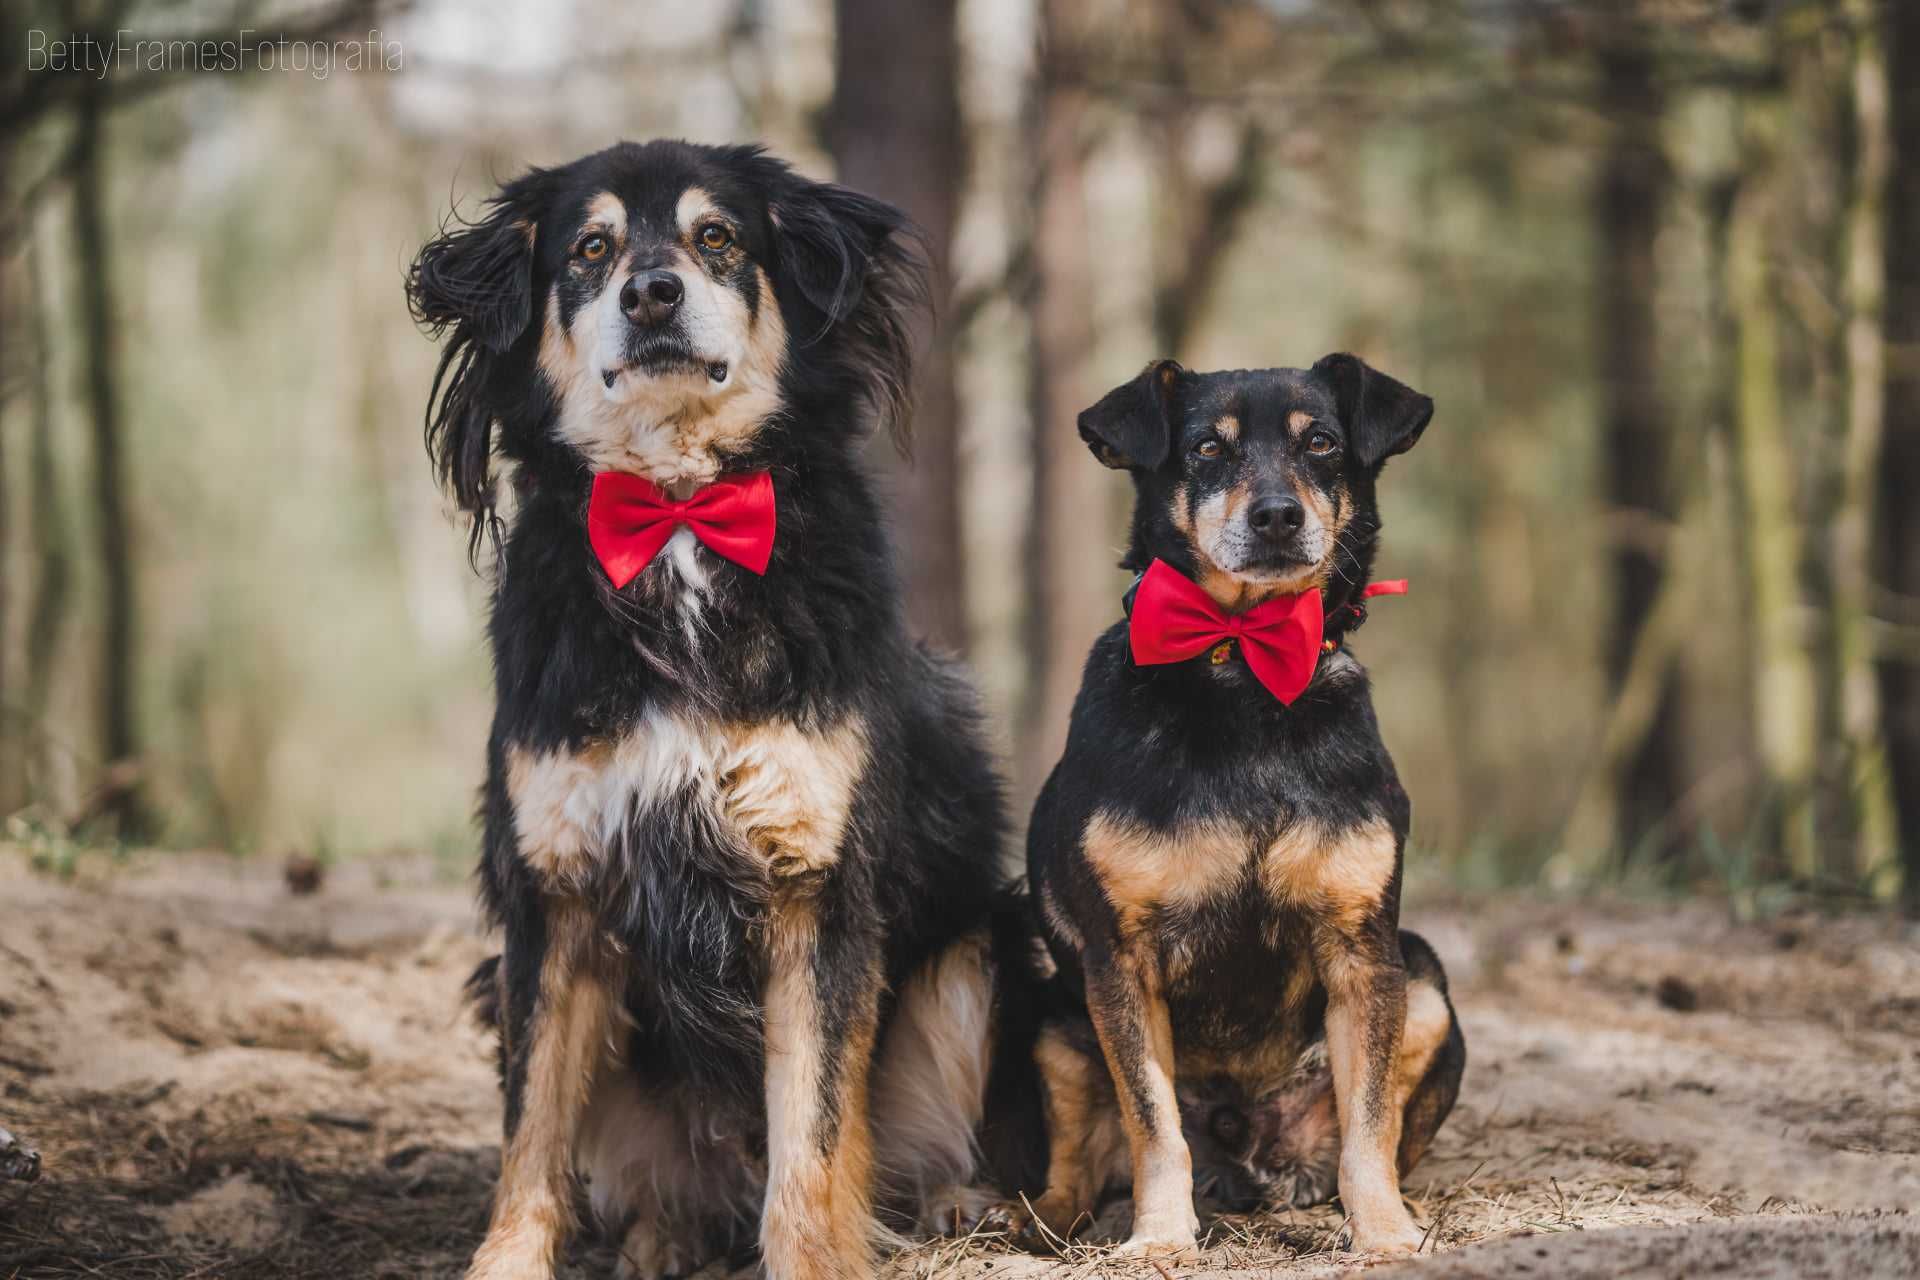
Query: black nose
{"points": [[1276, 517], [651, 296]]}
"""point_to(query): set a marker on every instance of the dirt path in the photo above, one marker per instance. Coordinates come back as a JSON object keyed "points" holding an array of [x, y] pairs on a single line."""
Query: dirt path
{"points": [[227, 1080]]}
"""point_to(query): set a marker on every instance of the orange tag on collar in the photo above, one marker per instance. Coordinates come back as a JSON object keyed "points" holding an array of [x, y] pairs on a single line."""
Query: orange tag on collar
{"points": [[1221, 652]]}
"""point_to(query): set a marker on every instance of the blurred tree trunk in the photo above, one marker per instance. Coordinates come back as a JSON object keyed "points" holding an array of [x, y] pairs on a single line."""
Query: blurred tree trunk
{"points": [[1202, 217], [896, 133], [46, 529], [1073, 596], [1784, 683], [100, 347], [1850, 538], [13, 753], [1898, 512], [1636, 432]]}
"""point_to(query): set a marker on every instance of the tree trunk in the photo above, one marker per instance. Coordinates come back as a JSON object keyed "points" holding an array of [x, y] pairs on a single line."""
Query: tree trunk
{"points": [[896, 133], [1201, 219], [1898, 514], [119, 742], [1849, 545], [1636, 432], [1075, 591], [46, 610], [13, 737], [1784, 683]]}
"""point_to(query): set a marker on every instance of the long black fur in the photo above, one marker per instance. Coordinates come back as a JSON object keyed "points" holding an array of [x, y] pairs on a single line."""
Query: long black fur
{"points": [[819, 637]]}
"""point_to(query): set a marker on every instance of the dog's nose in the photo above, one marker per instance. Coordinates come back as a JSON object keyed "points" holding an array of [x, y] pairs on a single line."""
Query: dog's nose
{"points": [[650, 296], [1276, 517]]}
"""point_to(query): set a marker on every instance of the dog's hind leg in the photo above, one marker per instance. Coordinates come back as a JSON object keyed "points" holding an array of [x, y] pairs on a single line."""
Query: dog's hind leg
{"points": [[929, 1090], [822, 1010], [1079, 1103], [1433, 1052], [558, 1024]]}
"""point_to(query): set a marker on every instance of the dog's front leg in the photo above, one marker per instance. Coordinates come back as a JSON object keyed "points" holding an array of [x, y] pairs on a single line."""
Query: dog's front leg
{"points": [[1366, 984], [822, 1006], [558, 1010], [1136, 1035]]}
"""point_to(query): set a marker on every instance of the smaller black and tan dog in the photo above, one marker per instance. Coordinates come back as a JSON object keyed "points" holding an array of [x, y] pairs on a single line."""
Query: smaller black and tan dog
{"points": [[1216, 859]]}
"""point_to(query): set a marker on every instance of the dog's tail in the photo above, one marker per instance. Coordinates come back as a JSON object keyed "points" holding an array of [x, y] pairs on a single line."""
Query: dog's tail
{"points": [[1013, 1136], [482, 994]]}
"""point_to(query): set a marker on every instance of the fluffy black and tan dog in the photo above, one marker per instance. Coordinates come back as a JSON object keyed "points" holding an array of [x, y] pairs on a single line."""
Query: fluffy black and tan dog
{"points": [[1216, 858], [740, 834]]}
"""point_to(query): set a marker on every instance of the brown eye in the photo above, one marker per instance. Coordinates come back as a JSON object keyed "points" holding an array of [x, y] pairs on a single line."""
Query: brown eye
{"points": [[1207, 449], [714, 237], [593, 248], [1320, 443]]}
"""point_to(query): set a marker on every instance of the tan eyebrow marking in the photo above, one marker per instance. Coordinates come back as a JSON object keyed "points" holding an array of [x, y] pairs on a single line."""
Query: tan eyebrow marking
{"points": [[696, 204], [1297, 421], [609, 211], [1227, 428]]}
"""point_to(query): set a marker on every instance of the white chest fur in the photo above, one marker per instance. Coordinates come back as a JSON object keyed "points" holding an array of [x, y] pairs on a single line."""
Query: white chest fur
{"points": [[781, 791]]}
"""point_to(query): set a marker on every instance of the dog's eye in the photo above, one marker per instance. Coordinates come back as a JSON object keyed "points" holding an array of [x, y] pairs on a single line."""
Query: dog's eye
{"points": [[714, 237], [593, 248], [1320, 443], [1208, 448]]}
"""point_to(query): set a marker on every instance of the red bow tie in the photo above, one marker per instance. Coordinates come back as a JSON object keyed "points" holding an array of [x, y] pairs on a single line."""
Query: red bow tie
{"points": [[630, 518], [1173, 620]]}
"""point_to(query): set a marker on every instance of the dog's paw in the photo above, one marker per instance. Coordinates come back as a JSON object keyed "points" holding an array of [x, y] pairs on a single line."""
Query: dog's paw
{"points": [[1395, 1238], [651, 1252], [1170, 1231], [957, 1210], [1157, 1244], [1042, 1226], [502, 1263]]}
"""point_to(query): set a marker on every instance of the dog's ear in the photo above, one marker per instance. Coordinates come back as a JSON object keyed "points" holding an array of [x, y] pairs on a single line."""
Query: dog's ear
{"points": [[478, 277], [474, 282], [1382, 417], [859, 265], [1132, 425]]}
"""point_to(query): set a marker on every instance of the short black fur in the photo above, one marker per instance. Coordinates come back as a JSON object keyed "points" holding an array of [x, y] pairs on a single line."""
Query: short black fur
{"points": [[1200, 745]]}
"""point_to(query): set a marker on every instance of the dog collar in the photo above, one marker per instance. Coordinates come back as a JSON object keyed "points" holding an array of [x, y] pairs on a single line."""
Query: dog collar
{"points": [[1171, 619]]}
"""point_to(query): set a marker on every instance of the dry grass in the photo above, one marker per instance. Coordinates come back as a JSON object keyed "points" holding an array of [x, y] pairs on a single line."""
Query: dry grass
{"points": [[228, 1082]]}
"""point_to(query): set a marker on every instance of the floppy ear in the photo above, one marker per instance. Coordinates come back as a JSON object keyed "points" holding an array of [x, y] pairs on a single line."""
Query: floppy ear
{"points": [[859, 265], [1132, 425], [475, 280], [1383, 417]]}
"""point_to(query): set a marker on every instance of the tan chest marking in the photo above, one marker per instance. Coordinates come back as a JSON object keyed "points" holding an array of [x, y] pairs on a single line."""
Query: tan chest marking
{"points": [[1341, 877], [789, 790], [1142, 869], [784, 791]]}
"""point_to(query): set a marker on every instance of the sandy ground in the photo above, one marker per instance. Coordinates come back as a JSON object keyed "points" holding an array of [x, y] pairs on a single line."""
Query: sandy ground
{"points": [[225, 1079]]}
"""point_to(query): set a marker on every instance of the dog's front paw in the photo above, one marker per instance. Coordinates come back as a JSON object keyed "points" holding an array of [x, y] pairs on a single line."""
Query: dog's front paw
{"points": [[1390, 1238], [510, 1260], [1161, 1234]]}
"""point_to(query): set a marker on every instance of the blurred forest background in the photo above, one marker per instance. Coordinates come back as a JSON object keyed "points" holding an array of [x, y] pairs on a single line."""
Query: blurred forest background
{"points": [[1658, 261]]}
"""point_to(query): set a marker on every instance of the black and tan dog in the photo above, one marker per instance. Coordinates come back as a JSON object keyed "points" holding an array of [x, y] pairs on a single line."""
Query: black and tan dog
{"points": [[1216, 859], [741, 834]]}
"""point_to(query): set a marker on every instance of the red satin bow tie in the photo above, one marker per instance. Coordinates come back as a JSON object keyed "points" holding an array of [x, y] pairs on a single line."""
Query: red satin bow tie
{"points": [[630, 518], [1173, 620]]}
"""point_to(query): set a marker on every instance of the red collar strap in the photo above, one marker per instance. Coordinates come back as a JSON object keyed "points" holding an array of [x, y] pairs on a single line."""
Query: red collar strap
{"points": [[1172, 619]]}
